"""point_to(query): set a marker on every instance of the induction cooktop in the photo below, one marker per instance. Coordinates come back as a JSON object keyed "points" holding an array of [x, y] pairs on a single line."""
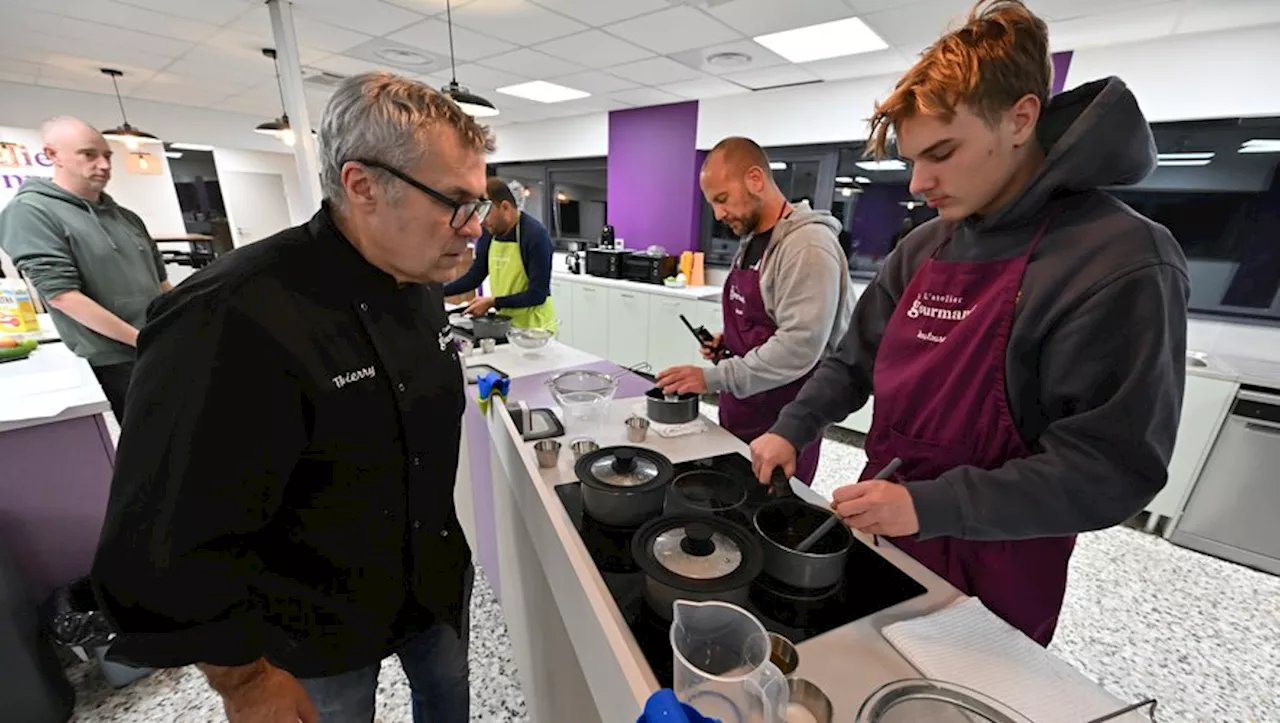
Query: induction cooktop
{"points": [[870, 583]]}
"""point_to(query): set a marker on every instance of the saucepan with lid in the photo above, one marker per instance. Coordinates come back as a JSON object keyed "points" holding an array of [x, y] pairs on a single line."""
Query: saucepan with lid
{"points": [[623, 486], [693, 557]]}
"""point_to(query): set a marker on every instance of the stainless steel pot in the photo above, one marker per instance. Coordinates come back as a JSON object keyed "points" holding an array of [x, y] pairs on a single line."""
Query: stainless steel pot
{"points": [[673, 409], [695, 558], [784, 523], [623, 486], [490, 326]]}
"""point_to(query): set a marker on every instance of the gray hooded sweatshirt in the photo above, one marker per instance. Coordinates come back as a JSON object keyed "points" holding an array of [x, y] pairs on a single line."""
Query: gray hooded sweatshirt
{"points": [[62, 242], [804, 282], [1095, 363]]}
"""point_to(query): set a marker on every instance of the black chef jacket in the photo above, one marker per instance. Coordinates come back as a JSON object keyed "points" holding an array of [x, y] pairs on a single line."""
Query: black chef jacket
{"points": [[284, 482]]}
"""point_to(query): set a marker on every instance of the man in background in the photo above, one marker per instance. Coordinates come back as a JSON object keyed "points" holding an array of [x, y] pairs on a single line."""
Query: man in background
{"points": [[515, 254], [787, 301], [91, 260]]}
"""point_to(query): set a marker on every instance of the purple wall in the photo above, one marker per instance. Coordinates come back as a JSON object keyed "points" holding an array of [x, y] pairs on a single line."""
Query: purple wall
{"points": [[1061, 63], [653, 176], [878, 216]]}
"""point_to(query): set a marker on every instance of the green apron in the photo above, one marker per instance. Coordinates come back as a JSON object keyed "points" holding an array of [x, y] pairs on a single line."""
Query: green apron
{"points": [[507, 276]]}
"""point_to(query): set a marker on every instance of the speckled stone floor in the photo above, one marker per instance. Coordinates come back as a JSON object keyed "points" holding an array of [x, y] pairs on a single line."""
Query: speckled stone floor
{"points": [[1143, 617]]}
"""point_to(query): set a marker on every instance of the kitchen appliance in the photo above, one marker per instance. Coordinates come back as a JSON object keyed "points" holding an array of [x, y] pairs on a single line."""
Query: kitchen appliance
{"points": [[623, 486], [695, 558], [1231, 513], [721, 663], [606, 263], [573, 262], [478, 328], [869, 584], [607, 240], [649, 268], [671, 408]]}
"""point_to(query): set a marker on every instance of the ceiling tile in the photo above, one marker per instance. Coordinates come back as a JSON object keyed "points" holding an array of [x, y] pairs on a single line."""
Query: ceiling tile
{"points": [[117, 14], [583, 106], [251, 105], [180, 95], [19, 24], [433, 35], [24, 78], [862, 65], [248, 48], [915, 25], [1068, 9], [373, 17], [772, 77], [594, 48], [656, 71], [517, 21], [594, 81], [758, 17], [1201, 16], [705, 88], [760, 57], [646, 96], [220, 87], [863, 7], [532, 64], [1126, 26], [603, 12], [474, 75], [19, 67], [396, 57], [673, 30], [79, 72], [311, 33], [37, 48], [427, 7], [343, 65], [214, 13]]}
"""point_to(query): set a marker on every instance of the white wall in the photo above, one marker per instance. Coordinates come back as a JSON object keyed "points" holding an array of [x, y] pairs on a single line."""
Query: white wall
{"points": [[580, 137], [282, 164]]}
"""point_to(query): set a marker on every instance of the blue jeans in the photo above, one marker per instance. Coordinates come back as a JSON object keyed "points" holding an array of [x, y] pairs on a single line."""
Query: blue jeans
{"points": [[435, 663]]}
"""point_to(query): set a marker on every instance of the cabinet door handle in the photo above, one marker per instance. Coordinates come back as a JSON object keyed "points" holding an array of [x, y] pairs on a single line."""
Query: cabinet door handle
{"points": [[626, 296], [1261, 427]]}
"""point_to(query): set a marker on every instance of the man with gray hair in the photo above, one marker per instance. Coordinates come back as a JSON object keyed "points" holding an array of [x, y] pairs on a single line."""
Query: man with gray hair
{"points": [[282, 510]]}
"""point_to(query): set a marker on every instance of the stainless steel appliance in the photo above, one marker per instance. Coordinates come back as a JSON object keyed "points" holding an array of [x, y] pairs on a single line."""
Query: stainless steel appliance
{"points": [[650, 269], [607, 263], [1232, 510]]}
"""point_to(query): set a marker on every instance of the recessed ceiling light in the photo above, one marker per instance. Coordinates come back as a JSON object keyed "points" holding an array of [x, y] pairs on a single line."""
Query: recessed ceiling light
{"points": [[728, 60], [543, 92], [890, 165], [862, 179], [1184, 156], [403, 56], [1184, 162], [1261, 145], [777, 166], [844, 179], [172, 154], [824, 40], [190, 147], [846, 192]]}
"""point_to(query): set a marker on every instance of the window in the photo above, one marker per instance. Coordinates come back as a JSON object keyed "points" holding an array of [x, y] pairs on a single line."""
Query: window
{"points": [[874, 203], [575, 209]]}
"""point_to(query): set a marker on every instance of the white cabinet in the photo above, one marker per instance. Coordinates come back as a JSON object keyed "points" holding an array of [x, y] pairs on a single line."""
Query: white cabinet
{"points": [[562, 300], [670, 343], [628, 327], [591, 319], [1204, 407]]}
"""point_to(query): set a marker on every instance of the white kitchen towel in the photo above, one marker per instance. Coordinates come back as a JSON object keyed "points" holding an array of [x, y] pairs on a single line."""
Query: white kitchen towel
{"points": [[966, 644]]}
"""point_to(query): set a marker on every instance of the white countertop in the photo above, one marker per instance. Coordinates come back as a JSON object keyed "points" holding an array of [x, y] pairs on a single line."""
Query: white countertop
{"points": [[687, 292], [1258, 372], [516, 362], [48, 332], [49, 386]]}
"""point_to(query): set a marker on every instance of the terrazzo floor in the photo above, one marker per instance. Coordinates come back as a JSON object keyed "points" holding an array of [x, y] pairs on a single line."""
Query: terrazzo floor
{"points": [[1142, 617]]}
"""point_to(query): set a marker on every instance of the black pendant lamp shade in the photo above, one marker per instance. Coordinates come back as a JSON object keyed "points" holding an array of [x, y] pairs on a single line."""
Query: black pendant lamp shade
{"points": [[473, 105], [277, 127], [125, 133]]}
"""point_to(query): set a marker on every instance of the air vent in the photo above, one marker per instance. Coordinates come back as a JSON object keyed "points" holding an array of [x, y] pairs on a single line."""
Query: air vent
{"points": [[321, 78]]}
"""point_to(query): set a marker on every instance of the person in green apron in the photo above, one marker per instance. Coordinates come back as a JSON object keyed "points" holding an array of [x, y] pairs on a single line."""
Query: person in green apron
{"points": [[515, 255]]}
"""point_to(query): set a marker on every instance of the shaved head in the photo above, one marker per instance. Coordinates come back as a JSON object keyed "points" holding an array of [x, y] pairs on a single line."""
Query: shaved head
{"points": [[81, 157], [737, 183]]}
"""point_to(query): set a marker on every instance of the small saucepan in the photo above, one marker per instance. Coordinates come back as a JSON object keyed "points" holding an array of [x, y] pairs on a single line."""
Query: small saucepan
{"points": [[706, 492], [623, 486], [695, 558], [671, 408], [784, 523]]}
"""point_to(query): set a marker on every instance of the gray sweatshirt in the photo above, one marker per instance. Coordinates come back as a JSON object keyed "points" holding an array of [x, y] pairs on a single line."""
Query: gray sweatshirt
{"points": [[804, 282], [62, 242], [1094, 368]]}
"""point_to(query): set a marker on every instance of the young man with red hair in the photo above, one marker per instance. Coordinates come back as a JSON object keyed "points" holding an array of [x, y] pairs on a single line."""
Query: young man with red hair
{"points": [[1026, 348]]}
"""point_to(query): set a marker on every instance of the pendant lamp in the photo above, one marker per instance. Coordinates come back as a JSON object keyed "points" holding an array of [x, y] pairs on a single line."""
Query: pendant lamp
{"points": [[128, 135], [470, 103], [277, 127]]}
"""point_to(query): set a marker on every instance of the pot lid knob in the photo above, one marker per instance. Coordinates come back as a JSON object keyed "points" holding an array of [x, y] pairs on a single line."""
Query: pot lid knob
{"points": [[697, 540], [624, 460]]}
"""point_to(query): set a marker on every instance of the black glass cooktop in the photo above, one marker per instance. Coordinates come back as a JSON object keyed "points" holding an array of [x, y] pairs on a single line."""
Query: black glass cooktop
{"points": [[870, 583]]}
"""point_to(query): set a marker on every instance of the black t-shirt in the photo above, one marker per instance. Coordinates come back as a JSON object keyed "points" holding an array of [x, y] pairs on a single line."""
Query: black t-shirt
{"points": [[755, 249]]}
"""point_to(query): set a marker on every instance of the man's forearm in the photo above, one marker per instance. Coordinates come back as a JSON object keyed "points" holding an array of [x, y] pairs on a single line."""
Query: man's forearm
{"points": [[92, 315]]}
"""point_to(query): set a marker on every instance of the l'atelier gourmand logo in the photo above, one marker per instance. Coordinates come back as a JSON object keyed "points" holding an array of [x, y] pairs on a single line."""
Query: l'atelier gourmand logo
{"points": [[935, 306], [17, 155]]}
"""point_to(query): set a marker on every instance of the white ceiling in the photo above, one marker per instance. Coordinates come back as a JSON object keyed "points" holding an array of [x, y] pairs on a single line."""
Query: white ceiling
{"points": [[207, 53]]}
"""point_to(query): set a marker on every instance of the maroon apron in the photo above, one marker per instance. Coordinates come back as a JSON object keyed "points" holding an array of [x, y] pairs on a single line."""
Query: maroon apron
{"points": [[941, 403], [748, 326]]}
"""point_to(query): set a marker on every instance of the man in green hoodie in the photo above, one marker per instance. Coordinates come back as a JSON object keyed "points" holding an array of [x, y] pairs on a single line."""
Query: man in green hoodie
{"points": [[91, 260]]}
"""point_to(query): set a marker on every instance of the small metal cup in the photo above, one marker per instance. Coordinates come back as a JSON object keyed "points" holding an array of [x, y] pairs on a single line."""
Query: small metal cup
{"points": [[466, 347], [810, 697], [488, 345], [637, 429], [548, 452], [583, 446], [782, 653]]}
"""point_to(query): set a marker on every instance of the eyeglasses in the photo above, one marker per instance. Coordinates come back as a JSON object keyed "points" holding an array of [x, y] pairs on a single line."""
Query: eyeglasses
{"points": [[462, 212]]}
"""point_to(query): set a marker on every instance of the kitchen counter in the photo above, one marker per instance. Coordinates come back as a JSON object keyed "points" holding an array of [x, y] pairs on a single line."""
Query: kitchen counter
{"points": [[687, 292], [51, 385], [574, 651]]}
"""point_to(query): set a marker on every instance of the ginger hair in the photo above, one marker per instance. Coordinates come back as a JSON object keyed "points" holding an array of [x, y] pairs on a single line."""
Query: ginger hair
{"points": [[998, 56]]}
